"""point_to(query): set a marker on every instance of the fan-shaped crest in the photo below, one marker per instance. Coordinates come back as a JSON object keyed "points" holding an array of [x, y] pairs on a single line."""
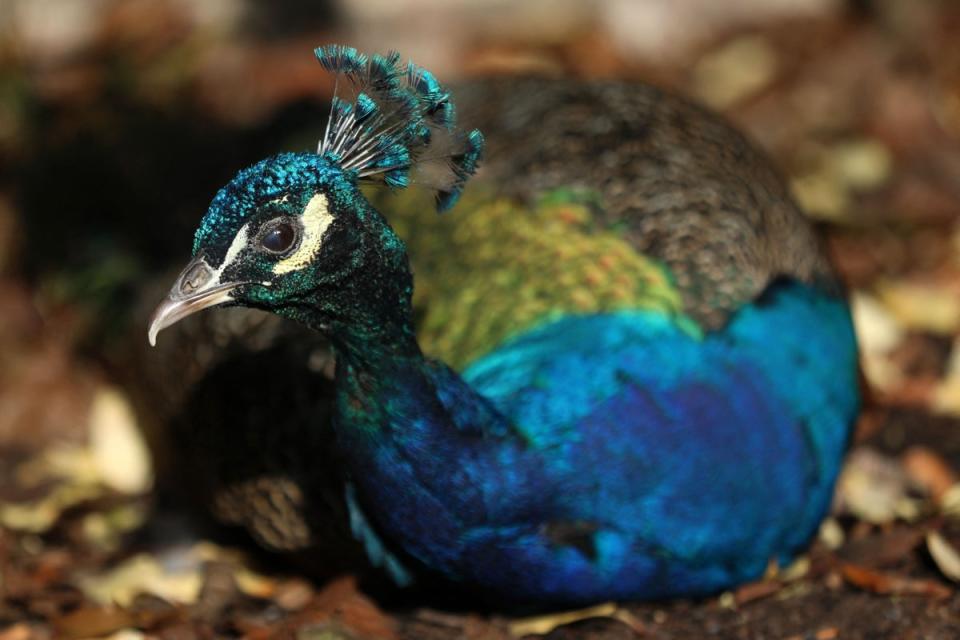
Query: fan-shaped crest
{"points": [[398, 125]]}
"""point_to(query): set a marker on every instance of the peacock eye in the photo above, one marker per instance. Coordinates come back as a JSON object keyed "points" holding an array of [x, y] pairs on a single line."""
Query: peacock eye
{"points": [[279, 237]]}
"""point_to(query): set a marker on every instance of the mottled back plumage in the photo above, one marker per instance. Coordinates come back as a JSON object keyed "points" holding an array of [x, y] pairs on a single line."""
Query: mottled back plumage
{"points": [[678, 181]]}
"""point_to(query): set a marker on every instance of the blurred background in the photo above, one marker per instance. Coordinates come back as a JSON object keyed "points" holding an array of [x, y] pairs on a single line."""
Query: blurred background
{"points": [[119, 119]]}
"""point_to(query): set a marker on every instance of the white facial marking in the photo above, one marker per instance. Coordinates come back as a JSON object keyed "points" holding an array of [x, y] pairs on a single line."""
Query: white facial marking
{"points": [[239, 242], [315, 220]]}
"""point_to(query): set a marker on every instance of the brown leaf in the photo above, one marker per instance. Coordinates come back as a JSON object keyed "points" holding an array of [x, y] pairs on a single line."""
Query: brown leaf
{"points": [[756, 591], [153, 612], [51, 566], [293, 594], [90, 621], [889, 584], [341, 602], [882, 549], [19, 631], [929, 470]]}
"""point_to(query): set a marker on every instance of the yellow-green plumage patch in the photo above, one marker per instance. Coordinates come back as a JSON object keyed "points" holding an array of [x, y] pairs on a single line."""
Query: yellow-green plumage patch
{"points": [[493, 268]]}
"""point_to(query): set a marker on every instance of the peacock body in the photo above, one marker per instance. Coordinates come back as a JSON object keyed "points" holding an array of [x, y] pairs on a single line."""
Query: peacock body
{"points": [[628, 370]]}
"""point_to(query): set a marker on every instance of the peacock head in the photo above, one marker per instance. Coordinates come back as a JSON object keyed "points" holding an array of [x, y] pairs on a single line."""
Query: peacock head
{"points": [[294, 235]]}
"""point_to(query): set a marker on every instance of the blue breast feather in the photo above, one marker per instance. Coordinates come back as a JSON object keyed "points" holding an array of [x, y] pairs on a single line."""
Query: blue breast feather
{"points": [[649, 463]]}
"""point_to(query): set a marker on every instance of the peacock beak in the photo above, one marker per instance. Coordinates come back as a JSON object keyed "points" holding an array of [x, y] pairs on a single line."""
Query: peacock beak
{"points": [[197, 287]]}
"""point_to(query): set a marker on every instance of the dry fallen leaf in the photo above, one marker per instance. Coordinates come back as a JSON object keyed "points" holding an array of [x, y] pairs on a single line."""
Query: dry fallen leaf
{"points": [[946, 396], [950, 502], [106, 529], [929, 470], [66, 475], [143, 574], [737, 70], [945, 555], [878, 334], [861, 164], [542, 625], [821, 195], [882, 547], [175, 575], [340, 603], [831, 534], [40, 515], [796, 570], [293, 594], [890, 584], [70, 478], [836, 173], [19, 631], [119, 450], [921, 305], [874, 488], [88, 622], [755, 591]]}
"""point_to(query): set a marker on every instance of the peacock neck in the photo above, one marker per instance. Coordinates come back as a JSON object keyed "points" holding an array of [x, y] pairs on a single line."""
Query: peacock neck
{"points": [[404, 425], [389, 394], [382, 378], [385, 385], [376, 347]]}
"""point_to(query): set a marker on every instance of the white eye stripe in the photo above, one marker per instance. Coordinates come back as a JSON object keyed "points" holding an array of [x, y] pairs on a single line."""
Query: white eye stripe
{"points": [[315, 219], [239, 242]]}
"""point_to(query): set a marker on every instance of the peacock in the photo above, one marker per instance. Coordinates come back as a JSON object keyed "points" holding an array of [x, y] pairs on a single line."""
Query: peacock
{"points": [[629, 371]]}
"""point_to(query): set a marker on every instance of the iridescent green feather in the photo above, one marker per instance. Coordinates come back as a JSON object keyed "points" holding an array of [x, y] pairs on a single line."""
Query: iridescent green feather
{"points": [[495, 268]]}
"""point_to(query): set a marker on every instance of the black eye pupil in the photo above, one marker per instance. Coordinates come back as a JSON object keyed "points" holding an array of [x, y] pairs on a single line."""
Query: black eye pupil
{"points": [[279, 238]]}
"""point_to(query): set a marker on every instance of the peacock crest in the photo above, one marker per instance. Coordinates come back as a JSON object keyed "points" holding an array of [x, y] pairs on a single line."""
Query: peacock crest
{"points": [[395, 124]]}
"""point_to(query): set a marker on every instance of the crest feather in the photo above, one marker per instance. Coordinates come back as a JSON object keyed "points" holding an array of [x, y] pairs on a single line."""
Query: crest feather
{"points": [[398, 126]]}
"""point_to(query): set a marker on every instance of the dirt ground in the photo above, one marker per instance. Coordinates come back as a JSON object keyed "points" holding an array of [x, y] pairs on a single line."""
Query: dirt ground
{"points": [[120, 120]]}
